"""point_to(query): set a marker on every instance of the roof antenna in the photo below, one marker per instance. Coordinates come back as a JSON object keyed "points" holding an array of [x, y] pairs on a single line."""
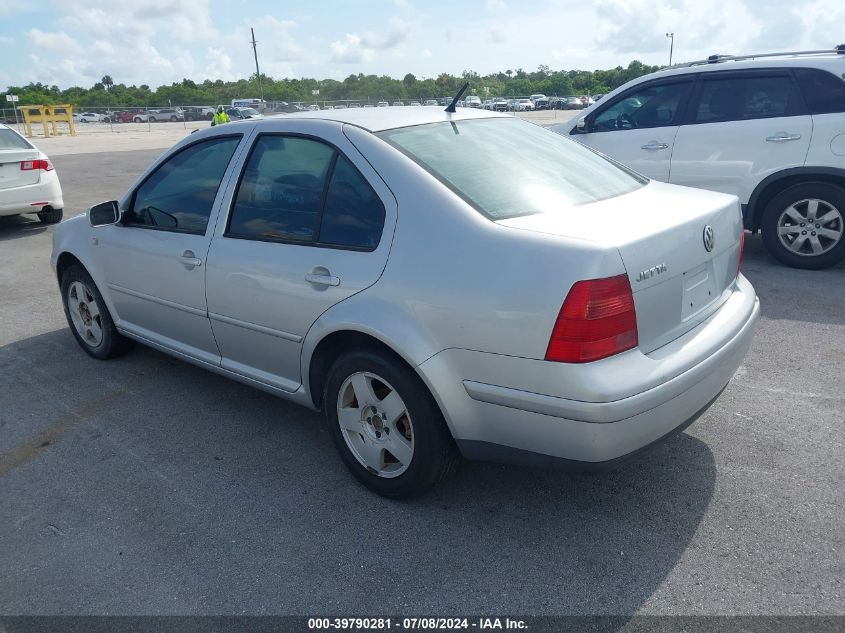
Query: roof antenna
{"points": [[451, 106]]}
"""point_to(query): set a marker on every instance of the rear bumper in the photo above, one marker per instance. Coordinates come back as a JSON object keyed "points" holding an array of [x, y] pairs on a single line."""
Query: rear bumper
{"points": [[29, 198], [593, 413]]}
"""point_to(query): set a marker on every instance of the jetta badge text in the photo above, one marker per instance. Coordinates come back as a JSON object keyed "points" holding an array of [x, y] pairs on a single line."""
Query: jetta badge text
{"points": [[651, 272], [709, 238]]}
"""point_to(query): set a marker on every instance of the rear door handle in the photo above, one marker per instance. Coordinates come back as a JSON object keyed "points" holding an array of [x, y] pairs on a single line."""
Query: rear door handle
{"points": [[781, 137], [656, 145], [322, 280], [189, 259]]}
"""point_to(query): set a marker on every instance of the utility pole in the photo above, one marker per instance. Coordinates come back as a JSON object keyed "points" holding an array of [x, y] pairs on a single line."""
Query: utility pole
{"points": [[671, 37], [257, 72]]}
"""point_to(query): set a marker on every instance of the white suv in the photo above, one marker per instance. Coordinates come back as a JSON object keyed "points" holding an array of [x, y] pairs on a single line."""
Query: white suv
{"points": [[769, 129]]}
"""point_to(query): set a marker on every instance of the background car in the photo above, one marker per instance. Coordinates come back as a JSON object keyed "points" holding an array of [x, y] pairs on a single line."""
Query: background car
{"points": [[431, 102], [91, 117], [398, 103], [28, 181], [383, 104], [240, 114], [413, 103], [472, 101], [130, 116], [198, 113], [499, 105], [166, 114], [766, 129]]}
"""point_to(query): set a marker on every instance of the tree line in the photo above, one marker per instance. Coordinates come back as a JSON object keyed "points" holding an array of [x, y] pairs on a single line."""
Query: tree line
{"points": [[107, 93]]}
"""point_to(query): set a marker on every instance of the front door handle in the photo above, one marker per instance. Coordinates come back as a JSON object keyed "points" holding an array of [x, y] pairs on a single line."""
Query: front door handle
{"points": [[655, 145], [782, 137], [322, 280], [189, 259]]}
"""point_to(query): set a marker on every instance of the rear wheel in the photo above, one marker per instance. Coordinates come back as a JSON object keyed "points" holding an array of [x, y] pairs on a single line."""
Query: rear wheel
{"points": [[137, 119], [173, 118], [386, 425], [804, 226], [50, 216], [88, 316]]}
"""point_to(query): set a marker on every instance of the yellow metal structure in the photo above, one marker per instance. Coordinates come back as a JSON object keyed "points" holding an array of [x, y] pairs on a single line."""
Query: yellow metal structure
{"points": [[49, 116]]}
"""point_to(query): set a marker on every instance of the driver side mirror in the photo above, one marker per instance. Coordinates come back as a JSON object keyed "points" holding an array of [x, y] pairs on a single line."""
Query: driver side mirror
{"points": [[581, 126], [104, 213]]}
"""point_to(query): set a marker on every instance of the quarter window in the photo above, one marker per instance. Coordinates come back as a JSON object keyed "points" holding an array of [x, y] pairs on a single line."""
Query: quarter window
{"points": [[824, 92], [650, 106], [180, 194], [296, 189], [743, 98], [354, 216]]}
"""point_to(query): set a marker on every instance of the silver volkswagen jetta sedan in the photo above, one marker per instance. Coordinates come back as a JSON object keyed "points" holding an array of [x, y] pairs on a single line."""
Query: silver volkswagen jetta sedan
{"points": [[438, 284]]}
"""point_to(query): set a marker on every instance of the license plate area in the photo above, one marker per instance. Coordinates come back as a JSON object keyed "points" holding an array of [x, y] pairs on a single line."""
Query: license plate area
{"points": [[699, 290]]}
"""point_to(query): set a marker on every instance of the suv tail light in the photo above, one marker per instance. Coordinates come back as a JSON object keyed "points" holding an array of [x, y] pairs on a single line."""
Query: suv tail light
{"points": [[597, 320], [741, 250], [40, 163]]}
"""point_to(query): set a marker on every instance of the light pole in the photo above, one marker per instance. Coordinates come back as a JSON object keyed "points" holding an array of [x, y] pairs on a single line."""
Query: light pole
{"points": [[671, 37]]}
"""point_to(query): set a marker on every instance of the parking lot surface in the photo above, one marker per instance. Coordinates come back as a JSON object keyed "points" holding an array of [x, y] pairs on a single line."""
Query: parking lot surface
{"points": [[145, 485]]}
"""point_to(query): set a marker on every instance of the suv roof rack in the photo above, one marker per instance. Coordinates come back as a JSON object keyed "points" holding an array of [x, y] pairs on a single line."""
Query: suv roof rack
{"points": [[716, 59]]}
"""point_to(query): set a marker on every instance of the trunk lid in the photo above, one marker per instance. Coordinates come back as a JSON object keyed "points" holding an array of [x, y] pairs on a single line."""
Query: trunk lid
{"points": [[11, 174], [659, 233]]}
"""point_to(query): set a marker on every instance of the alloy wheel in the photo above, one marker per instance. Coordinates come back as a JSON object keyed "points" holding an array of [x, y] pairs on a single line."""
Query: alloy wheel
{"points": [[375, 424], [810, 227], [85, 313]]}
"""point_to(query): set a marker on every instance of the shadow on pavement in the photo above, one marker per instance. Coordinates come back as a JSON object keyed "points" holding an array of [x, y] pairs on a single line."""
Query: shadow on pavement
{"points": [[144, 485], [17, 226]]}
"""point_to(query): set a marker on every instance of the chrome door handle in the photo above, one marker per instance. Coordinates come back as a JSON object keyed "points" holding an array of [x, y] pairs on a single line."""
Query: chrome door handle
{"points": [[189, 259], [322, 280], [780, 137], [656, 145]]}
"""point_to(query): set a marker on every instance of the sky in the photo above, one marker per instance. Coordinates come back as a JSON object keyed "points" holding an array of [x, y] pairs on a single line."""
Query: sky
{"points": [[155, 42]]}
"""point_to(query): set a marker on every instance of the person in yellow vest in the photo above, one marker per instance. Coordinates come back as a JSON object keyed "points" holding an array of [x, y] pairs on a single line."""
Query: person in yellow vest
{"points": [[220, 117]]}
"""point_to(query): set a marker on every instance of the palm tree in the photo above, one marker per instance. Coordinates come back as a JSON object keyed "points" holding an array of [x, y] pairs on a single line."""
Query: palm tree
{"points": [[107, 82]]}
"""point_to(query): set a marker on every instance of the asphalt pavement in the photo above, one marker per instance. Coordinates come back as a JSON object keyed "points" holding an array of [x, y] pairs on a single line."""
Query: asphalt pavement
{"points": [[144, 485]]}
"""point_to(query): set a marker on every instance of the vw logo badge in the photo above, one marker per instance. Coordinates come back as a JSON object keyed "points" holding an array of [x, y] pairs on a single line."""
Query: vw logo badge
{"points": [[709, 238]]}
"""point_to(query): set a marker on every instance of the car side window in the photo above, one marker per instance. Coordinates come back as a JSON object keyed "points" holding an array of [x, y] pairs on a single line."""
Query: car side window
{"points": [[647, 107], [281, 191], [824, 92], [353, 215], [743, 98], [180, 193], [300, 190]]}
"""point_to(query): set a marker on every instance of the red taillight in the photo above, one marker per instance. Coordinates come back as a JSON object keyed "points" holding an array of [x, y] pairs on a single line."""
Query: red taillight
{"points": [[41, 163], [741, 250], [597, 320]]}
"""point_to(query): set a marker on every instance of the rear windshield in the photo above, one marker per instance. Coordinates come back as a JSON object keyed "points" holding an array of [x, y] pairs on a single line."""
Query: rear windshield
{"points": [[507, 167], [10, 140]]}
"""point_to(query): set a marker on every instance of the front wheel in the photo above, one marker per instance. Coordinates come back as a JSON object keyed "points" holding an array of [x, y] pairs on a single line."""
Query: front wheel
{"points": [[386, 425], [138, 119], [803, 226], [88, 316]]}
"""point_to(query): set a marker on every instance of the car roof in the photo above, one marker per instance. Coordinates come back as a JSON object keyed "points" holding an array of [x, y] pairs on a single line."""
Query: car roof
{"points": [[827, 61], [391, 117]]}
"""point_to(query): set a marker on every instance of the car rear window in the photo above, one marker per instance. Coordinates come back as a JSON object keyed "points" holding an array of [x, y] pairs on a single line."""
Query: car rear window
{"points": [[506, 167], [9, 139]]}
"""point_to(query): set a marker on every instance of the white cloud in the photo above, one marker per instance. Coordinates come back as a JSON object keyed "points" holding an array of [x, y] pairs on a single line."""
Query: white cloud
{"points": [[59, 41], [351, 50], [219, 64], [496, 5]]}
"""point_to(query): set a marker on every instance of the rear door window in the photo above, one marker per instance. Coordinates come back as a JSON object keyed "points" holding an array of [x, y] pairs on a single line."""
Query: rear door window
{"points": [[824, 92], [300, 190], [9, 139], [739, 97]]}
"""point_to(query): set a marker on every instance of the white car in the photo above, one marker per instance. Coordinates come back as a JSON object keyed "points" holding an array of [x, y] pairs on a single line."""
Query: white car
{"points": [[770, 130], [472, 102], [523, 105], [383, 104], [91, 117], [28, 181]]}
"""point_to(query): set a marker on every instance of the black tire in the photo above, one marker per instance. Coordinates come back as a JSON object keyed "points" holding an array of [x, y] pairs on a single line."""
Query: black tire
{"points": [[174, 118], [828, 195], [435, 456], [138, 119], [113, 343], [50, 216]]}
